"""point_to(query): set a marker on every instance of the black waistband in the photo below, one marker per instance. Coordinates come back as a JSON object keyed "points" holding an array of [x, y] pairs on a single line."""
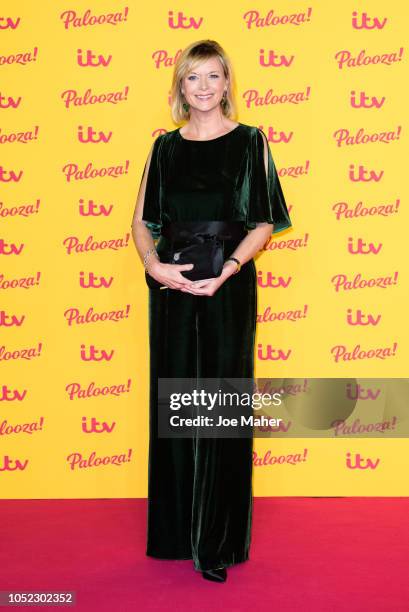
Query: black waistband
{"points": [[224, 230]]}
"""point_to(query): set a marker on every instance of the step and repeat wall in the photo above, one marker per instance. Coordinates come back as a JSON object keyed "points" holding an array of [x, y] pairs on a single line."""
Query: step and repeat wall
{"points": [[84, 91]]}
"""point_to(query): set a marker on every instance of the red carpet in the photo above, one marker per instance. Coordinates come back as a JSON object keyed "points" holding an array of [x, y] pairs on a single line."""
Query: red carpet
{"points": [[320, 554]]}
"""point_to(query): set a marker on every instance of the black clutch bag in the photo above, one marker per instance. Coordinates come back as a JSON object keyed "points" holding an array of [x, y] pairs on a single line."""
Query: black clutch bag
{"points": [[206, 255]]}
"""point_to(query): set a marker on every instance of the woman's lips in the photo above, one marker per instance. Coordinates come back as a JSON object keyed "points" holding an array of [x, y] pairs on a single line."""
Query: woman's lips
{"points": [[204, 97]]}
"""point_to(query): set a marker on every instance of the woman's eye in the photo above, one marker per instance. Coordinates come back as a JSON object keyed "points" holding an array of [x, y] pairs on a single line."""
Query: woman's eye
{"points": [[192, 76]]}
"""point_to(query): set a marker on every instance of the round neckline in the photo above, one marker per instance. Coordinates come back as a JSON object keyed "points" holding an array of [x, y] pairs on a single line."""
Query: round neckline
{"points": [[209, 139]]}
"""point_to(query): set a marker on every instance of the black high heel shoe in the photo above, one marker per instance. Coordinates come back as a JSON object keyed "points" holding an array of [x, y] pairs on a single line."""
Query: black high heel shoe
{"points": [[219, 574]]}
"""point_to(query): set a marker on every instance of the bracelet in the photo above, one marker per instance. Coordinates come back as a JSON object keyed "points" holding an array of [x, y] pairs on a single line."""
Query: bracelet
{"points": [[237, 262], [147, 255]]}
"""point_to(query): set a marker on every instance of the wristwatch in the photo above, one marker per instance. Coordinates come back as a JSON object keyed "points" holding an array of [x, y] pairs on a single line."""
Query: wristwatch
{"points": [[237, 262]]}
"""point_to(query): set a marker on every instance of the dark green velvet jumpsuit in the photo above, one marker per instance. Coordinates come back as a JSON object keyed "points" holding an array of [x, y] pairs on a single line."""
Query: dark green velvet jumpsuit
{"points": [[200, 489]]}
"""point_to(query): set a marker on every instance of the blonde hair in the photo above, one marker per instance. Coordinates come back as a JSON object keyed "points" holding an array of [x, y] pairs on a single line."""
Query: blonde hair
{"points": [[193, 55]]}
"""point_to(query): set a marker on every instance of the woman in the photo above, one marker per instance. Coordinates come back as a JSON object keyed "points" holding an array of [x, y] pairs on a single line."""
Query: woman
{"points": [[212, 169]]}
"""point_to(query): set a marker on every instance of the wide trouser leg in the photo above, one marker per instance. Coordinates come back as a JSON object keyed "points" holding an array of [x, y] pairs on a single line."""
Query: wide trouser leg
{"points": [[172, 323], [222, 496]]}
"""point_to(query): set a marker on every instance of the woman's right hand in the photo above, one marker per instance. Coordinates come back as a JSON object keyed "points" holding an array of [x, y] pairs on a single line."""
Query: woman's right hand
{"points": [[169, 274]]}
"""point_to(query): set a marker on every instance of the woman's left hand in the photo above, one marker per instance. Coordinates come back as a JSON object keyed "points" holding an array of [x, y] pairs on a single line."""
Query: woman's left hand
{"points": [[209, 286]]}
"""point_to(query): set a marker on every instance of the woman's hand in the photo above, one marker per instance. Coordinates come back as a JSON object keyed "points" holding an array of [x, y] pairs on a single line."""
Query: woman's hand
{"points": [[209, 286], [169, 275]]}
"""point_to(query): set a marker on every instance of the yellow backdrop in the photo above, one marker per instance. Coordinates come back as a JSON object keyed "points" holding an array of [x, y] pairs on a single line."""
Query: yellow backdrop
{"points": [[84, 91]]}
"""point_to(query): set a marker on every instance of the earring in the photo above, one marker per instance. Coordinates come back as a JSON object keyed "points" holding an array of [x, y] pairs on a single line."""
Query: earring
{"points": [[223, 101], [185, 105]]}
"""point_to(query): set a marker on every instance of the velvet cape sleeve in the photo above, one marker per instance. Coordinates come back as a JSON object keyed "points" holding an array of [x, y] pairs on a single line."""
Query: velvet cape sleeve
{"points": [[153, 201], [266, 202]]}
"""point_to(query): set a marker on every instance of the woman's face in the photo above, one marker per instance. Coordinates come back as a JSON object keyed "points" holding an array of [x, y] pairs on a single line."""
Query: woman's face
{"points": [[203, 87]]}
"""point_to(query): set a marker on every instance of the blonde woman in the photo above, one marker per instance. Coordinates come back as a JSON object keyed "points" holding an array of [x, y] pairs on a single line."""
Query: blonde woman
{"points": [[213, 177]]}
